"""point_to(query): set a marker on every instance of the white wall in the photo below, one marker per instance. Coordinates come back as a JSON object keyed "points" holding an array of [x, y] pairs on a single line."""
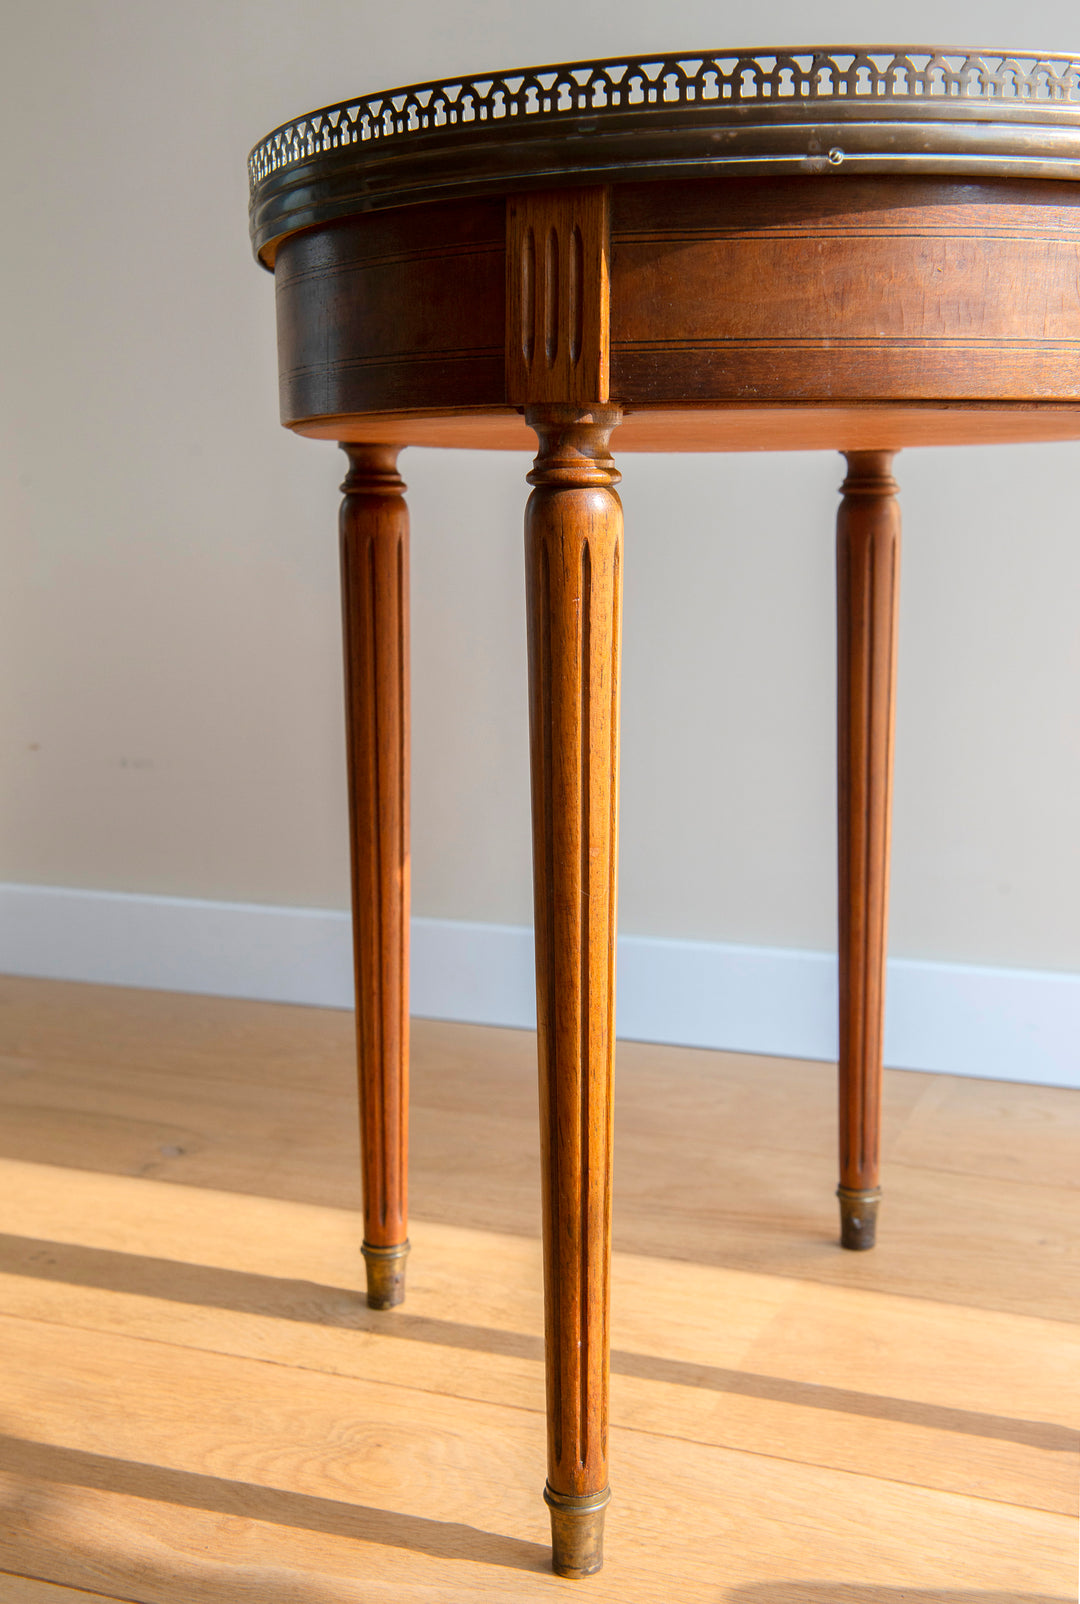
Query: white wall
{"points": [[170, 684]]}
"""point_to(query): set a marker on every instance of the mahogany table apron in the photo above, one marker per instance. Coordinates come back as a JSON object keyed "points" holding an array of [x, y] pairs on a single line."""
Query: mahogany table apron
{"points": [[859, 250]]}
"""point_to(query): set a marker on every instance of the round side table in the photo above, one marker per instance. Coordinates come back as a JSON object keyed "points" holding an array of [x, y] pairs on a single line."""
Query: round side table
{"points": [[858, 249]]}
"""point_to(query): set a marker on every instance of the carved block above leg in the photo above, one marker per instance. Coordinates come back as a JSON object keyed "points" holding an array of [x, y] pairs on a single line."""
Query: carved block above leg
{"points": [[558, 319]]}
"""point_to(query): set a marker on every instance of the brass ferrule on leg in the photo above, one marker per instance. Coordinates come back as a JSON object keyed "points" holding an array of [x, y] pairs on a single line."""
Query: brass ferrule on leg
{"points": [[385, 1274], [577, 1531], [858, 1216]]}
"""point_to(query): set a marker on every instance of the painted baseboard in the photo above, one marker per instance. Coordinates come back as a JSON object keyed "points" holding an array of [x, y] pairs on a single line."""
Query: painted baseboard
{"points": [[1005, 1024]]}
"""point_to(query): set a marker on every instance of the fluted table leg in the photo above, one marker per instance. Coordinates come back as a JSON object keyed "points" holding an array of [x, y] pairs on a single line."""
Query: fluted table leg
{"points": [[867, 569], [573, 538], [375, 598]]}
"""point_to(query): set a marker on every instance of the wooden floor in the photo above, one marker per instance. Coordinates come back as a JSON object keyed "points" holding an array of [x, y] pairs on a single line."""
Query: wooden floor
{"points": [[195, 1407]]}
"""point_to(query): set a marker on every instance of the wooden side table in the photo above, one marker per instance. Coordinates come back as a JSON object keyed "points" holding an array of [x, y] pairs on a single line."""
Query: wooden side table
{"points": [[857, 249]]}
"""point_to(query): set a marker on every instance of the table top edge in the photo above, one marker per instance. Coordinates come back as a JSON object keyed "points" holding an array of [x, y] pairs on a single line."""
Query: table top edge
{"points": [[810, 110]]}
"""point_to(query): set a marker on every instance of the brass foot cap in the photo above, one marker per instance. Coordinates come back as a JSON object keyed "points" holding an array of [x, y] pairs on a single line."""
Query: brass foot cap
{"points": [[385, 1274], [577, 1531], [858, 1216]]}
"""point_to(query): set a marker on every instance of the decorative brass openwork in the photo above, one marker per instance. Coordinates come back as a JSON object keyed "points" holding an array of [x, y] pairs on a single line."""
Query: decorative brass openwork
{"points": [[891, 78]]}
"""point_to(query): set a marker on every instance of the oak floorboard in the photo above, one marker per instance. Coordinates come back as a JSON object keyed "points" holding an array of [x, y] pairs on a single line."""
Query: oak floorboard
{"points": [[197, 1408], [301, 1260], [969, 1130], [350, 1458], [701, 1199], [26, 1590], [1000, 1130], [228, 1038], [694, 1382], [695, 1132]]}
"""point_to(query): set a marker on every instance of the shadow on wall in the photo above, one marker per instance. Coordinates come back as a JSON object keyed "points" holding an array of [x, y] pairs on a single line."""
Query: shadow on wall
{"points": [[857, 1593]]}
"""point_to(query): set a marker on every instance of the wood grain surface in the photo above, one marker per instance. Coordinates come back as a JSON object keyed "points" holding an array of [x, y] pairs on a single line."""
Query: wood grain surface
{"points": [[729, 426], [25, 1590], [381, 311], [197, 1407], [871, 289], [260, 1099], [867, 599], [573, 557], [375, 611], [558, 301], [733, 294]]}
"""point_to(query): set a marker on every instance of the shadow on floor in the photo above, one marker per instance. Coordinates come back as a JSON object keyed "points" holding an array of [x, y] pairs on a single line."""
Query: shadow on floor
{"points": [[447, 1540], [858, 1593], [97, 1570], [208, 1286]]}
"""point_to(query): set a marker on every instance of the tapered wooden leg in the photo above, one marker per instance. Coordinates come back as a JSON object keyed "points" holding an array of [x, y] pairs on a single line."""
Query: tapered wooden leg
{"points": [[867, 586], [573, 539], [375, 600]]}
